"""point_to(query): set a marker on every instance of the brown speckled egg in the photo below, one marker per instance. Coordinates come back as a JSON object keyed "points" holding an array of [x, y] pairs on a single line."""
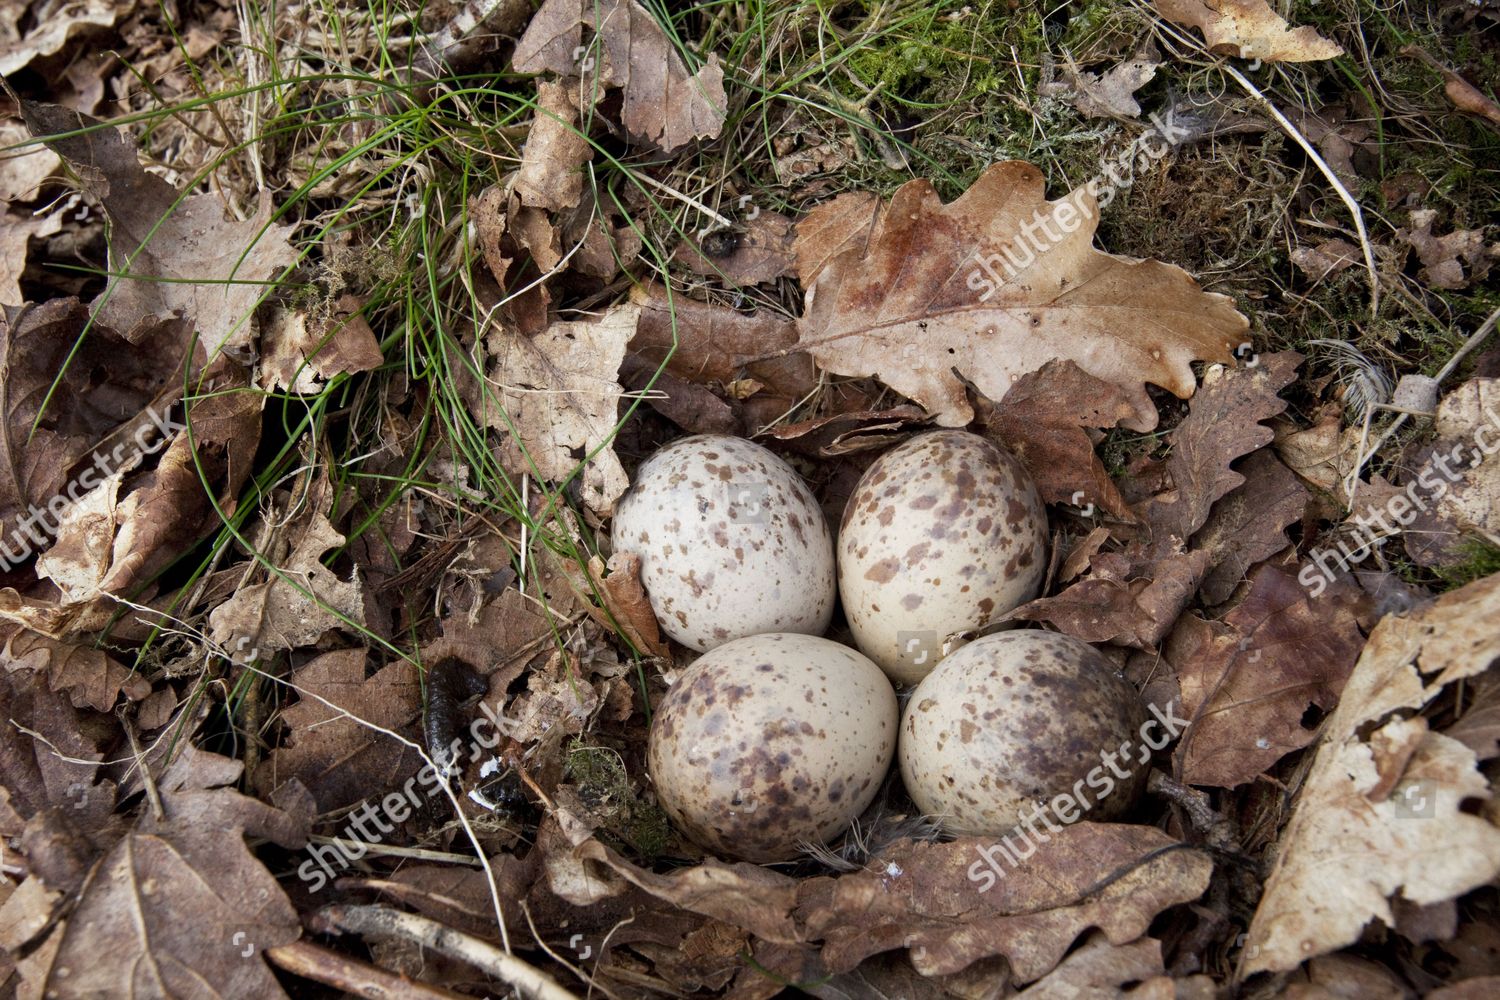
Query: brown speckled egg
{"points": [[1012, 721], [772, 740], [942, 534], [731, 540]]}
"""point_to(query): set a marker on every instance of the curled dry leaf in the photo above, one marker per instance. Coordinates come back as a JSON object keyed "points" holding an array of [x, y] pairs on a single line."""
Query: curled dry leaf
{"points": [[1248, 29], [1454, 261], [49, 35], [171, 256], [1249, 523], [1380, 812], [92, 678], [301, 351], [550, 176], [557, 401], [1456, 479], [1108, 94], [663, 102], [924, 297], [1248, 683]]}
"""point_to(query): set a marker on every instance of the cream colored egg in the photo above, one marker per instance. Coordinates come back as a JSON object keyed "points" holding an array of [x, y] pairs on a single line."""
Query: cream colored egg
{"points": [[1024, 723], [770, 741], [942, 534], [731, 540]]}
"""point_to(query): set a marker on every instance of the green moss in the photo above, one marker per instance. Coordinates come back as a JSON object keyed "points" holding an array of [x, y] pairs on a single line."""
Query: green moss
{"points": [[1481, 559], [605, 786]]}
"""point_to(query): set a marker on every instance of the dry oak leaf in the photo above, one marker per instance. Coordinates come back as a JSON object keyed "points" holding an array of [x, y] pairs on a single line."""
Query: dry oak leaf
{"points": [[925, 296], [663, 102], [1247, 683], [1380, 811], [180, 906], [559, 401], [762, 252], [1249, 523], [1248, 29], [1223, 425], [926, 897], [341, 760], [92, 678], [171, 256], [17, 230], [297, 605], [1454, 261], [715, 345], [1108, 94], [1041, 420], [1465, 481]]}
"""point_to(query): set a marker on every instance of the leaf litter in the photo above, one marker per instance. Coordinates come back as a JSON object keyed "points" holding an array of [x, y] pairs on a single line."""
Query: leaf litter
{"points": [[219, 677]]}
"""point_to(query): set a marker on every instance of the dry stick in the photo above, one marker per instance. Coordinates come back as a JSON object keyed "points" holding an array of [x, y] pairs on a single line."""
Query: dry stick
{"points": [[305, 959], [447, 786], [1333, 179], [382, 922]]}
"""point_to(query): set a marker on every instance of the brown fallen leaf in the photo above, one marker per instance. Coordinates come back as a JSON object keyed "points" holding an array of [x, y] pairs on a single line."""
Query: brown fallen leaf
{"points": [[22, 171], [762, 252], [1107, 94], [830, 230], [1457, 482], [1454, 261], [1326, 259], [628, 604], [663, 102], [339, 760], [926, 897], [1248, 29], [1380, 810], [1464, 95], [1137, 612], [61, 768], [92, 678], [298, 603], [1248, 524], [556, 149], [556, 401], [1041, 421], [17, 230], [1247, 682], [301, 352], [179, 902], [40, 449], [171, 256], [1223, 424], [48, 36], [850, 432], [716, 345], [925, 297]]}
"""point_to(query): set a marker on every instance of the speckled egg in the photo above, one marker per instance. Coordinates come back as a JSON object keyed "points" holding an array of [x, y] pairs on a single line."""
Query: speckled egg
{"points": [[1024, 721], [942, 534], [772, 740], [731, 540]]}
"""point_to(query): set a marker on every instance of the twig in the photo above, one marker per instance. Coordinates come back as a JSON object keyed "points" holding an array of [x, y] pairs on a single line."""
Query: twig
{"points": [[305, 959], [1485, 329], [382, 922], [1333, 179]]}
